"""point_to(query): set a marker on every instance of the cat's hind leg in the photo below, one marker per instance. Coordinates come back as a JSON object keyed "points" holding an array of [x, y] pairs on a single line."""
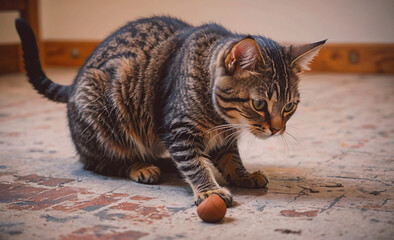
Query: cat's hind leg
{"points": [[144, 173], [137, 171]]}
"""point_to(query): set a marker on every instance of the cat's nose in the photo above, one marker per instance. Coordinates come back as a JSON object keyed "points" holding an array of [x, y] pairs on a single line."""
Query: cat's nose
{"points": [[274, 130]]}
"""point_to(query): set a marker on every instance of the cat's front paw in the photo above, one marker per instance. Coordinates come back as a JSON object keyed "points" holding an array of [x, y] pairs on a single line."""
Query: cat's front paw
{"points": [[253, 180], [224, 193]]}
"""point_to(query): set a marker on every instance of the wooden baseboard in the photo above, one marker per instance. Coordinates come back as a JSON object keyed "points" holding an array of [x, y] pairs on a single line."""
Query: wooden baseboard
{"points": [[355, 58], [339, 58], [10, 58], [11, 54], [68, 53], [345, 58]]}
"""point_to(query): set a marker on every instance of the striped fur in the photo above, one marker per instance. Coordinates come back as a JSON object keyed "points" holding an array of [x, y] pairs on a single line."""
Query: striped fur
{"points": [[159, 87]]}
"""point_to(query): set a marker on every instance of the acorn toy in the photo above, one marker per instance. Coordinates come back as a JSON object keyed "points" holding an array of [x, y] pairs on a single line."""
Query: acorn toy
{"points": [[212, 209]]}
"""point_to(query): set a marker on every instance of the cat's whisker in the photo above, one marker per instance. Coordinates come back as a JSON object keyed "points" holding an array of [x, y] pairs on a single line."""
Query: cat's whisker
{"points": [[283, 141], [285, 145], [232, 142], [251, 141], [289, 134], [220, 133], [223, 129], [286, 152], [292, 127], [233, 137], [230, 135], [220, 127], [228, 125]]}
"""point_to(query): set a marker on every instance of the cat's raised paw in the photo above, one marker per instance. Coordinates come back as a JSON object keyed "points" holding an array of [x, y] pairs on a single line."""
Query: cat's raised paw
{"points": [[224, 193], [144, 173], [253, 180]]}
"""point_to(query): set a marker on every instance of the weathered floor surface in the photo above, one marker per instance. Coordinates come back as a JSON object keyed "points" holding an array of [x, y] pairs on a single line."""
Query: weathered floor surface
{"points": [[335, 181]]}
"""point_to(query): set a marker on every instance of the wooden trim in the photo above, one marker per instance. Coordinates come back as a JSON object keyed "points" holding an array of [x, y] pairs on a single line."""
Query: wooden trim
{"points": [[345, 58], [340, 58], [68, 53], [7, 5], [28, 10], [9, 58], [355, 58]]}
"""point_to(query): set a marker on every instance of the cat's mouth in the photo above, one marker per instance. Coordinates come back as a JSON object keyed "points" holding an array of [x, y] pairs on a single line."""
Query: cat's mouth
{"points": [[266, 133], [261, 136]]}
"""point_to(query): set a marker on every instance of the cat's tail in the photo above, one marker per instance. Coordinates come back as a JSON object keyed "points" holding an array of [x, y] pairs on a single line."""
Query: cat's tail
{"points": [[37, 77]]}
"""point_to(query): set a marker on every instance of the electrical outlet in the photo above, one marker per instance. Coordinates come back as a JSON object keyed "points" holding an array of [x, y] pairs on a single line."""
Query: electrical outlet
{"points": [[74, 53], [353, 57]]}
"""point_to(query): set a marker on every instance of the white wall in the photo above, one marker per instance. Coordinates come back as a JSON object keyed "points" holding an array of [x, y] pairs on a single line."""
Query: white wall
{"points": [[283, 20]]}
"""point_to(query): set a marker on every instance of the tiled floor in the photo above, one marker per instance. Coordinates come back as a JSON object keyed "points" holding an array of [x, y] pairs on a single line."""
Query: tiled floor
{"points": [[331, 179]]}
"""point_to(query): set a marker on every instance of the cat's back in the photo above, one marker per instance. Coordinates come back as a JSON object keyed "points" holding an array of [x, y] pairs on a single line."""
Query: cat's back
{"points": [[135, 40]]}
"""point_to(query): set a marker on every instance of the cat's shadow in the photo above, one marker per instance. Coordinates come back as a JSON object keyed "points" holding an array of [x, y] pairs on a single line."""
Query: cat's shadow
{"points": [[296, 182], [284, 182]]}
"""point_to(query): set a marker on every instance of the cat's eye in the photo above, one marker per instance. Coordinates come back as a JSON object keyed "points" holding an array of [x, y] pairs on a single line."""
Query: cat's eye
{"points": [[258, 104], [289, 107]]}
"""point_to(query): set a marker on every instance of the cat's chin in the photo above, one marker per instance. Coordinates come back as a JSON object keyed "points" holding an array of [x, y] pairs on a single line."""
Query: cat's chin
{"points": [[263, 136]]}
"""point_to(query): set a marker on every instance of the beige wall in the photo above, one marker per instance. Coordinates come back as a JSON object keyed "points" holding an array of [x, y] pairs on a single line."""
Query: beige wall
{"points": [[282, 20], [7, 28]]}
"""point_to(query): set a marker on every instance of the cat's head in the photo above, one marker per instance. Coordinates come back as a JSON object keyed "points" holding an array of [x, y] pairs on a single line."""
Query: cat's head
{"points": [[256, 83]]}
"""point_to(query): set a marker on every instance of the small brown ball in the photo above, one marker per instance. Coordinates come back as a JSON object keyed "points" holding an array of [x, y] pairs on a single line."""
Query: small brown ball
{"points": [[212, 209]]}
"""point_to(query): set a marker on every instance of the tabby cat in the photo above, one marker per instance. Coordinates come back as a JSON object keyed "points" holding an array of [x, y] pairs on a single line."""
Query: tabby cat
{"points": [[160, 88]]}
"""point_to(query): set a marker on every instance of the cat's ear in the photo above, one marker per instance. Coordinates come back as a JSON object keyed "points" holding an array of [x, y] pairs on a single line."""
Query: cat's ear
{"points": [[245, 55], [302, 55]]}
